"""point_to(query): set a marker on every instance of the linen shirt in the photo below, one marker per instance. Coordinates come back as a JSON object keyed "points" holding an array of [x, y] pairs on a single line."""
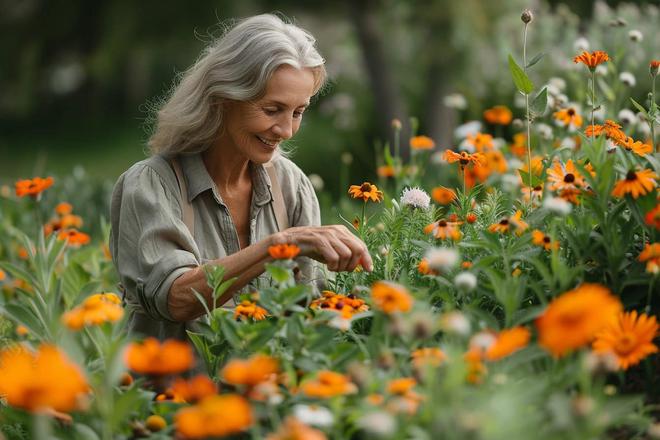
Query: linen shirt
{"points": [[151, 245]]}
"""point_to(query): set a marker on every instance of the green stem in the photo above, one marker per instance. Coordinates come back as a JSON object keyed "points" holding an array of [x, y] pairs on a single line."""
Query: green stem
{"points": [[529, 138], [593, 102], [653, 114]]}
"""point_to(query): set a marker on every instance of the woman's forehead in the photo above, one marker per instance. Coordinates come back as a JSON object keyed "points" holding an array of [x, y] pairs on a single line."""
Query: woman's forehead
{"points": [[290, 87]]}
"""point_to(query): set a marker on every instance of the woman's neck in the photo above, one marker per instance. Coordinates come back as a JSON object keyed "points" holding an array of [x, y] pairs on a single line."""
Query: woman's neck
{"points": [[227, 170]]}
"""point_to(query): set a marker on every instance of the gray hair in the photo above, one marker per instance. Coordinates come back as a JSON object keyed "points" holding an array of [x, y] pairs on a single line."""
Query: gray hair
{"points": [[236, 67]]}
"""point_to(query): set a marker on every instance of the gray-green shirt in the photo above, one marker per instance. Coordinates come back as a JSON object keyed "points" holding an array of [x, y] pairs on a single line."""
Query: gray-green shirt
{"points": [[151, 246]]}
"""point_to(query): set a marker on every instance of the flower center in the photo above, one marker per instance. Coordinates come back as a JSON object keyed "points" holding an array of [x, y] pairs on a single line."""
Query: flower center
{"points": [[569, 178], [504, 222], [631, 176], [625, 344], [365, 187], [538, 188], [570, 112], [546, 239], [442, 223]]}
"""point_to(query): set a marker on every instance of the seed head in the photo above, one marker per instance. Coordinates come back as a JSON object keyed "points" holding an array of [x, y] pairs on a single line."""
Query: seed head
{"points": [[527, 16]]}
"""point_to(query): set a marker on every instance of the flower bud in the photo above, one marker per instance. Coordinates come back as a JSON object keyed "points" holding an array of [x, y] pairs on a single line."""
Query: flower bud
{"points": [[653, 67], [396, 124], [527, 16]]}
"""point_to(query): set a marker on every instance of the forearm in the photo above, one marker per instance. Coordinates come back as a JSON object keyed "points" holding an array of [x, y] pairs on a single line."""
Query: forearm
{"points": [[245, 265]]}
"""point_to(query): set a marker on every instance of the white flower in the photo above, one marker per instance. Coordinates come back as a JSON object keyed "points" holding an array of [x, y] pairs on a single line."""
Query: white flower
{"points": [[415, 197], [557, 205], [581, 45], [627, 117], [313, 415], [378, 423], [601, 70], [316, 181], [568, 142], [510, 182], [610, 145], [628, 79], [515, 163], [599, 114], [455, 322], [340, 323], [519, 101], [465, 281], [455, 100], [643, 128], [471, 127], [544, 130], [442, 258], [436, 158], [635, 35], [466, 146], [552, 89], [482, 340], [557, 82], [498, 143], [561, 99], [347, 158]]}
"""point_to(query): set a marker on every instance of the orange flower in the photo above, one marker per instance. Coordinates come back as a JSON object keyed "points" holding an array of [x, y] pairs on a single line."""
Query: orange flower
{"points": [[573, 319], [591, 60], [421, 143], [566, 176], [636, 183], [568, 117], [424, 269], [442, 195], [153, 358], [63, 208], [95, 310], [498, 115], [23, 253], [367, 191], [328, 384], [629, 338], [652, 218], [519, 145], [390, 297], [250, 372], [534, 194], [401, 386], [540, 239], [385, 171], [33, 187], [476, 370], [73, 237], [508, 342], [214, 416], [428, 356], [444, 230], [346, 305], [611, 129], [464, 158], [293, 429], [651, 254], [248, 309], [637, 147], [3, 275], [283, 251], [537, 166], [654, 66], [40, 381], [195, 389], [155, 423], [504, 225], [481, 141]]}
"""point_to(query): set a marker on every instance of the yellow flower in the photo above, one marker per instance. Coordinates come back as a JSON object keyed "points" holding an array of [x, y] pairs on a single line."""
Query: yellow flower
{"points": [[390, 297], [248, 309], [95, 310], [155, 358], [250, 372], [540, 239]]}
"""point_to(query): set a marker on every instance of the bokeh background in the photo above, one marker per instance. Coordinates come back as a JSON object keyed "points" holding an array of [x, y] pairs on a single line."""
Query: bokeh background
{"points": [[79, 79]]}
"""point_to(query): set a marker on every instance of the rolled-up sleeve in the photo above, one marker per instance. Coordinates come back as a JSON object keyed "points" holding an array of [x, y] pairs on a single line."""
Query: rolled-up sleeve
{"points": [[153, 245], [308, 213]]}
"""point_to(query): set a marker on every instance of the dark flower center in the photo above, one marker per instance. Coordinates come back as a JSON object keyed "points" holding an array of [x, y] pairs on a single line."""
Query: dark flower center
{"points": [[570, 112], [569, 178], [365, 187], [631, 176], [504, 222], [546, 239], [442, 223], [537, 188]]}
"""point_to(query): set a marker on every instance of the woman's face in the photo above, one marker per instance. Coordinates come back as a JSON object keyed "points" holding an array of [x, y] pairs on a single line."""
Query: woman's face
{"points": [[255, 129]]}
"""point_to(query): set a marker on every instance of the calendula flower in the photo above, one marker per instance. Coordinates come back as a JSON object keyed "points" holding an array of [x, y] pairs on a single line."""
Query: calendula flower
{"points": [[611, 129], [424, 269], [540, 239], [33, 187], [391, 297], [564, 176], [519, 145], [73, 237], [507, 342], [152, 357], [444, 230], [651, 255], [593, 59], [652, 218], [385, 171], [569, 118], [573, 319], [636, 183], [346, 305], [95, 310], [41, 380], [504, 225], [421, 143], [637, 147], [629, 338], [432, 356], [498, 115], [442, 195], [250, 372], [283, 251], [328, 384], [482, 142], [214, 416], [464, 158], [294, 429], [476, 370], [367, 191]]}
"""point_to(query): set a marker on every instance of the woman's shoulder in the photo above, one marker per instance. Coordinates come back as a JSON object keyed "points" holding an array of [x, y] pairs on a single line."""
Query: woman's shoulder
{"points": [[151, 174], [288, 172]]}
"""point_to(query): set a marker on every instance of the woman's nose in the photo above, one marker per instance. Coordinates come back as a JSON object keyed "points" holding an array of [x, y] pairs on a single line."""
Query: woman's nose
{"points": [[284, 127]]}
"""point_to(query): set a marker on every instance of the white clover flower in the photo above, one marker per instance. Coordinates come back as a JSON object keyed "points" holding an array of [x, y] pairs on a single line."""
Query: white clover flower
{"points": [[455, 100], [557, 205], [557, 82], [415, 197], [379, 423], [465, 281], [455, 322], [515, 163], [442, 258], [552, 89], [316, 181], [569, 142], [561, 100], [628, 79], [601, 70], [314, 415], [627, 117], [510, 182], [635, 35], [581, 45], [544, 130], [470, 127]]}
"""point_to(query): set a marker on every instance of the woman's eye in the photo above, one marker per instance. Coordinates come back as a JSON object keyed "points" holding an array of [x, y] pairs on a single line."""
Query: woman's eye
{"points": [[270, 111], [298, 113]]}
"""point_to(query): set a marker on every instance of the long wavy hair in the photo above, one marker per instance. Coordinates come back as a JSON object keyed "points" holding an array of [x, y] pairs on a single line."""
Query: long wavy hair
{"points": [[236, 67]]}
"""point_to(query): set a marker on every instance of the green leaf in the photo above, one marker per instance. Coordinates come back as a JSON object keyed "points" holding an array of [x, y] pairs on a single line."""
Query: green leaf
{"points": [[536, 59], [230, 332], [278, 273], [540, 102], [536, 180], [639, 107], [520, 78], [388, 157]]}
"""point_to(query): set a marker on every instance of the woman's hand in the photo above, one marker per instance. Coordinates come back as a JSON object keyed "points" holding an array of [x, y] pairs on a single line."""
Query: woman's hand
{"points": [[333, 245]]}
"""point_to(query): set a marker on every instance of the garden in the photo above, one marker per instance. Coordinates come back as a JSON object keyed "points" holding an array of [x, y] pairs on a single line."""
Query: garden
{"points": [[514, 293]]}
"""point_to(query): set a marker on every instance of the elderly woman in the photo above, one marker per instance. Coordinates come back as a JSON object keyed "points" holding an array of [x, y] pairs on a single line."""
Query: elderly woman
{"points": [[216, 189]]}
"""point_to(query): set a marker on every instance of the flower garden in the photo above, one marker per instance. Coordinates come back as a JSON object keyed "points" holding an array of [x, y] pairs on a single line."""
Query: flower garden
{"points": [[514, 295]]}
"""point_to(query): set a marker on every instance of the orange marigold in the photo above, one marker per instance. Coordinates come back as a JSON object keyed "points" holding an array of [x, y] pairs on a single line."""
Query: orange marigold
{"points": [[401, 385], [328, 384], [346, 305], [250, 372], [33, 187], [651, 254], [464, 158], [611, 129], [637, 147], [498, 115], [442, 195], [294, 429], [507, 342], [153, 358], [421, 143], [652, 218], [424, 268], [593, 59], [195, 389], [654, 66], [249, 309], [73, 237], [94, 310], [63, 208], [283, 251], [428, 356], [629, 338], [573, 319], [636, 183], [391, 297], [367, 191], [482, 142], [214, 416]]}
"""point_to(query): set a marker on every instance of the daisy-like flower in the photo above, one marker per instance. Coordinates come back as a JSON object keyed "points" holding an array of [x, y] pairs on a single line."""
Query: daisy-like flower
{"points": [[636, 183], [540, 239], [651, 255], [159, 359], [283, 251], [442, 195], [346, 305], [250, 372], [421, 143], [415, 197], [249, 310], [442, 259], [637, 147], [568, 117], [508, 342], [73, 237], [629, 338], [611, 129], [367, 191], [498, 115], [504, 225], [424, 269], [95, 310], [480, 141], [557, 205], [533, 194], [564, 176], [432, 356], [391, 297], [464, 158], [214, 416], [465, 281], [593, 59], [652, 218], [444, 230], [33, 187], [385, 171], [328, 384]]}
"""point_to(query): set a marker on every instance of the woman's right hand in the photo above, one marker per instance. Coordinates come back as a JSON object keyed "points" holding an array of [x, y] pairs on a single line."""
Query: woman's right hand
{"points": [[333, 245]]}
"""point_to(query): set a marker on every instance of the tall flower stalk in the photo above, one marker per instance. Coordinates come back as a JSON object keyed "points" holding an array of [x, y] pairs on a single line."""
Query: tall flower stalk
{"points": [[526, 17], [592, 60]]}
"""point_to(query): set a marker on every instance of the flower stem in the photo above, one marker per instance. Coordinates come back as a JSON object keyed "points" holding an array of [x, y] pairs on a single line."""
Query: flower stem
{"points": [[529, 137], [652, 119], [593, 102]]}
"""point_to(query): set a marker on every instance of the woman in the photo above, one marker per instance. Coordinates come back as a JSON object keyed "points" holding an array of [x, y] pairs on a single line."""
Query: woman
{"points": [[209, 193]]}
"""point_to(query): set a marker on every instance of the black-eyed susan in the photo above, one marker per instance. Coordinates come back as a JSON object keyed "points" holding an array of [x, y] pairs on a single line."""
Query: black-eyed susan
{"points": [[481, 142], [636, 183], [638, 147], [569, 118], [367, 191], [543, 240], [444, 230], [564, 176]]}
